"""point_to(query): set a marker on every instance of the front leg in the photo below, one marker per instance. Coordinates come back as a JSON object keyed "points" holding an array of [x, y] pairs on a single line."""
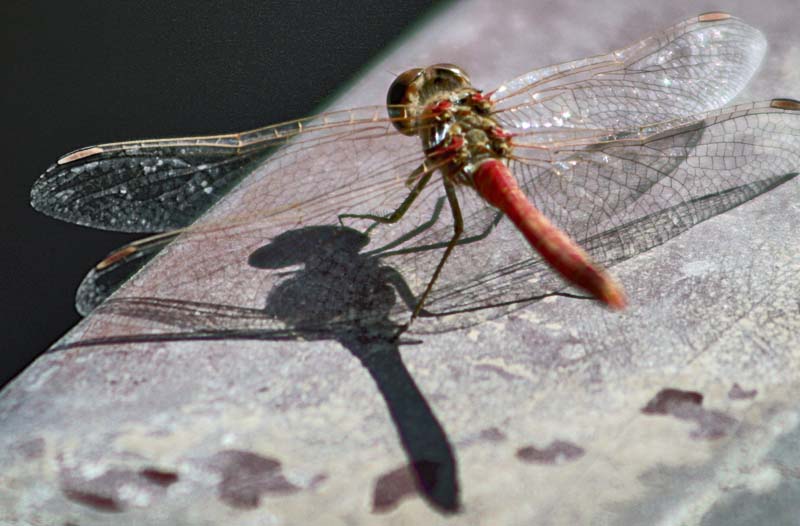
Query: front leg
{"points": [[398, 214]]}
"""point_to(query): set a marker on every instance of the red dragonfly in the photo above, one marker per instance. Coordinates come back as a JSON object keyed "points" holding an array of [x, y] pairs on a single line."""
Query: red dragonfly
{"points": [[593, 161]]}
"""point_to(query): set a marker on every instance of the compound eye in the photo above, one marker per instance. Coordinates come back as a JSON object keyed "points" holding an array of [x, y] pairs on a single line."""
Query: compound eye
{"points": [[403, 92], [450, 74]]}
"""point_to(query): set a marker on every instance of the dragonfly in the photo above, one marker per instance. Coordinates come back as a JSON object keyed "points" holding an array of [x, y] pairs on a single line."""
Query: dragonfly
{"points": [[592, 161]]}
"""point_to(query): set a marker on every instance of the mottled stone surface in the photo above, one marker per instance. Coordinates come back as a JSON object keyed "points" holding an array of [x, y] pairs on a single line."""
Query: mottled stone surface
{"points": [[680, 410]]}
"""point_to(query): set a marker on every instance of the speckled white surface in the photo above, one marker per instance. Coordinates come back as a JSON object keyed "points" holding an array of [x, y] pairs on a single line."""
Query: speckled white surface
{"points": [[271, 431]]}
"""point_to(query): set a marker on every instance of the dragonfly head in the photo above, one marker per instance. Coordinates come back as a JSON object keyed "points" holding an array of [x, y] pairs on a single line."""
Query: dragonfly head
{"points": [[412, 90]]}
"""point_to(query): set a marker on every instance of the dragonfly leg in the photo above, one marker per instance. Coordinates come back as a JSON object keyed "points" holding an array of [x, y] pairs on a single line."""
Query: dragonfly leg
{"points": [[404, 206], [458, 229]]}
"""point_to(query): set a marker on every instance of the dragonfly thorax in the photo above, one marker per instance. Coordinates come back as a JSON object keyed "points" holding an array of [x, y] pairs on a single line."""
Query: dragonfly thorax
{"points": [[453, 119]]}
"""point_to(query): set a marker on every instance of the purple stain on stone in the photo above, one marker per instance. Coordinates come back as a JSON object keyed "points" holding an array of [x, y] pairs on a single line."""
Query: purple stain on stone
{"points": [[100, 493], [673, 402], [159, 476], [93, 500], [392, 487], [688, 405], [429, 479], [108, 491], [558, 452], [247, 476], [737, 393], [317, 480], [492, 434], [489, 434]]}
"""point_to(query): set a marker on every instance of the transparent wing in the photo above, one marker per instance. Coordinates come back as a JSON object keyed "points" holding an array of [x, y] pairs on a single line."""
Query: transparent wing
{"points": [[616, 195], [588, 189], [162, 184], [695, 66]]}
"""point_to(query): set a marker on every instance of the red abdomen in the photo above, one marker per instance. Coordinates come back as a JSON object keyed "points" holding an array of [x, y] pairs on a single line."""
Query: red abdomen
{"points": [[496, 185]]}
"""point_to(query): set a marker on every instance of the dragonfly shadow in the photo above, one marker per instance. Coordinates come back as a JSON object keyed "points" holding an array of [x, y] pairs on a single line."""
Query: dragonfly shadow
{"points": [[329, 291], [353, 294]]}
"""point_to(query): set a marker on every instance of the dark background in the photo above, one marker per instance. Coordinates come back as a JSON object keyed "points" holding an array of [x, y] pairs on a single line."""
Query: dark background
{"points": [[92, 72]]}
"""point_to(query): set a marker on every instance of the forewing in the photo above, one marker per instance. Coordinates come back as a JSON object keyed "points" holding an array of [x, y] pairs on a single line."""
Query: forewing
{"points": [[695, 66], [164, 184]]}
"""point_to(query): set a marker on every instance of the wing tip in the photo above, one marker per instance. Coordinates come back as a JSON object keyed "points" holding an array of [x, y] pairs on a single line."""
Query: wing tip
{"points": [[38, 197]]}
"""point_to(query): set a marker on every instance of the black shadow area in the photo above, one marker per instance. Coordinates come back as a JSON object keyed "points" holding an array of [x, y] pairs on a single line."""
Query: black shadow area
{"points": [[339, 287]]}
